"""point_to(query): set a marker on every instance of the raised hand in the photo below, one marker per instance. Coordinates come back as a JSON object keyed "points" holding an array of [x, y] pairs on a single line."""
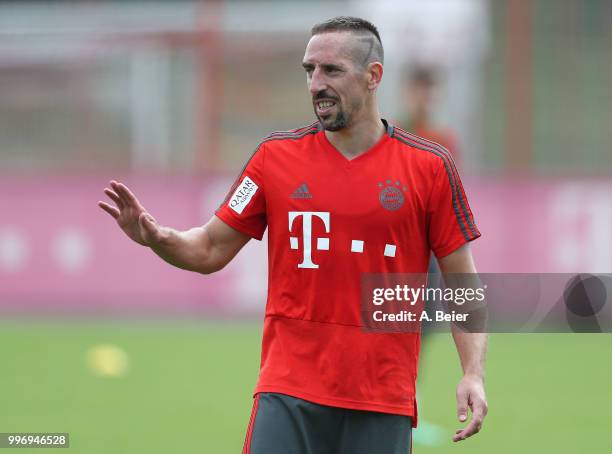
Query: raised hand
{"points": [[131, 216]]}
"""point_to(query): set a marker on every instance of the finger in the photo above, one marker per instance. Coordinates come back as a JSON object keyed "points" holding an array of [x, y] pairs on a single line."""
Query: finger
{"points": [[475, 424], [472, 429], [462, 406], [126, 195], [114, 212], [121, 193], [479, 409], [460, 435], [457, 437], [114, 197]]}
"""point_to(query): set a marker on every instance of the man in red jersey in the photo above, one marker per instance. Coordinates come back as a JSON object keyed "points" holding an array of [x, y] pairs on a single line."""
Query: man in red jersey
{"points": [[347, 195]]}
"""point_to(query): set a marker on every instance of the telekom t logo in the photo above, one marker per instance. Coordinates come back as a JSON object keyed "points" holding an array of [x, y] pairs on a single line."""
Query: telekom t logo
{"points": [[322, 243]]}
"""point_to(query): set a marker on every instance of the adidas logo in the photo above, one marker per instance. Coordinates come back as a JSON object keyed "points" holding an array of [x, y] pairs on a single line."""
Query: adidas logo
{"points": [[301, 192]]}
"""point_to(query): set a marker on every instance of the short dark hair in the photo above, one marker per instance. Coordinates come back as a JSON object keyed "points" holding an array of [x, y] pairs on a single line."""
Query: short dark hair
{"points": [[426, 76], [355, 25]]}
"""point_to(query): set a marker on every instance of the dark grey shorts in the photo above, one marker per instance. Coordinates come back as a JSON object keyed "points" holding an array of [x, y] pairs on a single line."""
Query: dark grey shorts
{"points": [[281, 424]]}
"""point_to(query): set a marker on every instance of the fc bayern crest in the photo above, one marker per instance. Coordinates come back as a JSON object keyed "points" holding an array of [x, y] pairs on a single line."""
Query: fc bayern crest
{"points": [[391, 195]]}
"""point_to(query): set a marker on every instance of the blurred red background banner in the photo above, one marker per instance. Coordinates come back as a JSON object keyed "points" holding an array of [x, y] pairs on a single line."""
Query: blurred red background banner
{"points": [[60, 252]]}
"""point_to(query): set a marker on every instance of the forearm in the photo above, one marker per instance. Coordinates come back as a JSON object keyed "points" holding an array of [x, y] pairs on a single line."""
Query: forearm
{"points": [[471, 341], [472, 349], [189, 250], [203, 249]]}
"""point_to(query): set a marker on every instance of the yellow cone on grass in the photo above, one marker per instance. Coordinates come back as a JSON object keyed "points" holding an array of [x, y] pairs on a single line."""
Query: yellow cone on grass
{"points": [[107, 360]]}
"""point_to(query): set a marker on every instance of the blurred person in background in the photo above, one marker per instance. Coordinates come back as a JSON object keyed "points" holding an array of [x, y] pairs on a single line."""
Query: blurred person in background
{"points": [[420, 93], [339, 197]]}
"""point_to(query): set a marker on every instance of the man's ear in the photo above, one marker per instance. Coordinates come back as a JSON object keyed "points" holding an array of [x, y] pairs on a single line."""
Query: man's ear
{"points": [[375, 73]]}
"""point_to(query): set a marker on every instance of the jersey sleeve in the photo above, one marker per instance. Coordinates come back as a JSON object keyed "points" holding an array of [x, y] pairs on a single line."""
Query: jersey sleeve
{"points": [[244, 207], [451, 223]]}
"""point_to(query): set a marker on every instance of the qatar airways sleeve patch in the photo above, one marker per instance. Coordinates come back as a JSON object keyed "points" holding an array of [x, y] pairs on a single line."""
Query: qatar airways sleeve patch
{"points": [[243, 195]]}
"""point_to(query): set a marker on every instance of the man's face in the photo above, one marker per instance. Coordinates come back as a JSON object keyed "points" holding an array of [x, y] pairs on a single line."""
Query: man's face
{"points": [[421, 98], [336, 82]]}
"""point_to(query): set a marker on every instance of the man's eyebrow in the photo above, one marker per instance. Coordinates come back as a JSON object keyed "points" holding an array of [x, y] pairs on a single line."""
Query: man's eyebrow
{"points": [[326, 66], [330, 66]]}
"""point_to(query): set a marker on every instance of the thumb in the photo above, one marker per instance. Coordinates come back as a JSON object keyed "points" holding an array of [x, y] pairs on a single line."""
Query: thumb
{"points": [[462, 407], [148, 226]]}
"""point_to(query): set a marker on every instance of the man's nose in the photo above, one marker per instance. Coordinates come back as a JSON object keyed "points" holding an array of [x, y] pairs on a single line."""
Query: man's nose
{"points": [[317, 82]]}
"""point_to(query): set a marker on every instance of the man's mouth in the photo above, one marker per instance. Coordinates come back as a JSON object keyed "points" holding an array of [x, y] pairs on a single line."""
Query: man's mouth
{"points": [[324, 106]]}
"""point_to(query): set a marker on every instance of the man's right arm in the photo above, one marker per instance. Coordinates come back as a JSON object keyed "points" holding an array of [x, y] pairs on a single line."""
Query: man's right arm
{"points": [[203, 249]]}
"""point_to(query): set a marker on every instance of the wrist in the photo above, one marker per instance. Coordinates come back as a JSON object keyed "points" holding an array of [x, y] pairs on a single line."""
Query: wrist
{"points": [[477, 375], [162, 239]]}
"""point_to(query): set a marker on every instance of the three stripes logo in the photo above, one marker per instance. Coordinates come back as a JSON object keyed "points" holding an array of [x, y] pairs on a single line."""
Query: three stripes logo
{"points": [[301, 192]]}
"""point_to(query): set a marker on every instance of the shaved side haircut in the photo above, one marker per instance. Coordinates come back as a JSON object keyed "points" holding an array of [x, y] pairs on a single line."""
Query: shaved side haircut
{"points": [[369, 48]]}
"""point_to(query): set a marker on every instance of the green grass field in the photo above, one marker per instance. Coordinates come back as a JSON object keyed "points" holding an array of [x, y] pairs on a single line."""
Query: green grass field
{"points": [[188, 388]]}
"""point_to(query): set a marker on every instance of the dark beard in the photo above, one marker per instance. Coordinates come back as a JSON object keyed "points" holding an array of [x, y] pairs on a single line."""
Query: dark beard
{"points": [[336, 125]]}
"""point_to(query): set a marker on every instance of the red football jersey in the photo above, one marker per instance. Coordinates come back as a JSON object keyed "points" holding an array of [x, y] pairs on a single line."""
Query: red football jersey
{"points": [[331, 219]]}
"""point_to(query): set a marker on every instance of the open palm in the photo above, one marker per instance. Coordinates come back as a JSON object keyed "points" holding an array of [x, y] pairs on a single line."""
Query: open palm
{"points": [[130, 215]]}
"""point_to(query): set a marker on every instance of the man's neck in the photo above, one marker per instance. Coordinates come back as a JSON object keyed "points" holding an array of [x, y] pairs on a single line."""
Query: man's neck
{"points": [[358, 138]]}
